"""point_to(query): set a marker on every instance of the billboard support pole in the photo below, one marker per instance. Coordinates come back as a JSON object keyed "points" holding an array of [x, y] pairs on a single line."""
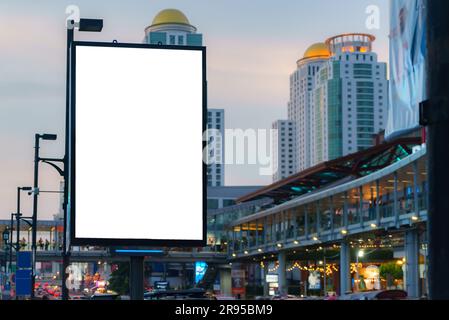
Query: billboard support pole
{"points": [[435, 114], [65, 252], [136, 277]]}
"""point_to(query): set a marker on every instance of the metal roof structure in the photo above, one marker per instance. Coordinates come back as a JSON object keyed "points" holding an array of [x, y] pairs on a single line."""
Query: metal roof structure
{"points": [[355, 165]]}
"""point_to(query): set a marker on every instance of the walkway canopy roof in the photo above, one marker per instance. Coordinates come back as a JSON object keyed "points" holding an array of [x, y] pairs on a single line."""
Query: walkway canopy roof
{"points": [[328, 173]]}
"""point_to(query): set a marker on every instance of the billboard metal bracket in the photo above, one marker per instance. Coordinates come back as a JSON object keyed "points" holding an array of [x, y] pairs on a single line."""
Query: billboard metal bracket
{"points": [[433, 111]]}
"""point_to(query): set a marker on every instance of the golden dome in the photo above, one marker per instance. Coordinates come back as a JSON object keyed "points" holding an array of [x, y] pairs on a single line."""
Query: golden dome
{"points": [[317, 50], [170, 16]]}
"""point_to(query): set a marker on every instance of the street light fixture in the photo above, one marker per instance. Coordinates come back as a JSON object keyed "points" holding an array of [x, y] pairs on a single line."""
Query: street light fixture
{"points": [[91, 25], [6, 236], [46, 136], [361, 254]]}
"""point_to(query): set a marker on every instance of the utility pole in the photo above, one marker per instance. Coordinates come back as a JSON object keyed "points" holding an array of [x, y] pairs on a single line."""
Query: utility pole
{"points": [[435, 114], [34, 217], [65, 251]]}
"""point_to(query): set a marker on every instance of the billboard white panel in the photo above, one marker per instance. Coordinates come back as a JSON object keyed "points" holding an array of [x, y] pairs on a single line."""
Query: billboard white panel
{"points": [[138, 145], [407, 66]]}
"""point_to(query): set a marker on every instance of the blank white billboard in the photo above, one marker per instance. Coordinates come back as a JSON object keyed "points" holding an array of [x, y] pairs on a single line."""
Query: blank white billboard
{"points": [[138, 144]]}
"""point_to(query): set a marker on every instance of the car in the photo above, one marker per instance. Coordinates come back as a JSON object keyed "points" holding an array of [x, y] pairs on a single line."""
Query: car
{"points": [[105, 296], [190, 294], [78, 297], [376, 295]]}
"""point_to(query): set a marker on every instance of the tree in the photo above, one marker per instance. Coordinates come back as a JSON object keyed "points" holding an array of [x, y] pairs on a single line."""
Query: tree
{"points": [[390, 272], [119, 281]]}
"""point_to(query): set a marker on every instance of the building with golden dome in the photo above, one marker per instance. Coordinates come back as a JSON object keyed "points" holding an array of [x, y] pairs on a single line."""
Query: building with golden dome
{"points": [[172, 27], [338, 101], [317, 51]]}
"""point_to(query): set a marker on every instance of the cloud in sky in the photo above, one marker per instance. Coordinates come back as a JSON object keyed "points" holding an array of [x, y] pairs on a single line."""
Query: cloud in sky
{"points": [[252, 49]]}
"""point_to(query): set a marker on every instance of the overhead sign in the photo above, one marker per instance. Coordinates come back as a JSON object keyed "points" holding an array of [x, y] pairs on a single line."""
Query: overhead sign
{"points": [[137, 122], [407, 65], [161, 285], [200, 270], [272, 278], [238, 281]]}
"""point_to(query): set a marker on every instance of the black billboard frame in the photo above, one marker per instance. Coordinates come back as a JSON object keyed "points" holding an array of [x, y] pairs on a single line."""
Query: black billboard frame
{"points": [[111, 242]]}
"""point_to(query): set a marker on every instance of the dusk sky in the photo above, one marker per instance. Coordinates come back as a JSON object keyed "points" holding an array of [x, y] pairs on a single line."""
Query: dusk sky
{"points": [[252, 48]]}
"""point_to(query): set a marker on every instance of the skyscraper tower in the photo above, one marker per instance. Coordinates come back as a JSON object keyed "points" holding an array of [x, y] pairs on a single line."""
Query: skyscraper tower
{"points": [[300, 107], [172, 27], [350, 98], [338, 100]]}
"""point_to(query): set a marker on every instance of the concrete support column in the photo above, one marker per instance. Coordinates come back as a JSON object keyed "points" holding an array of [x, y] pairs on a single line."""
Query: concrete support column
{"points": [[361, 217], [345, 272], [378, 197], [265, 231], [295, 224], [264, 280], [331, 209], [412, 263], [395, 200], [282, 257], [345, 212], [306, 223], [225, 281], [257, 234]]}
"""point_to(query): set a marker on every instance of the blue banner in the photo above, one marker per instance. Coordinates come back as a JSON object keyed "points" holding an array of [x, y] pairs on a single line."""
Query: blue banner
{"points": [[24, 260], [23, 282]]}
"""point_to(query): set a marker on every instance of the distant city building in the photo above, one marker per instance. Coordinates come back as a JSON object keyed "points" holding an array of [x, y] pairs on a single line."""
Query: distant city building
{"points": [[222, 197], [171, 27], [284, 149], [222, 209], [338, 100], [300, 106], [215, 170]]}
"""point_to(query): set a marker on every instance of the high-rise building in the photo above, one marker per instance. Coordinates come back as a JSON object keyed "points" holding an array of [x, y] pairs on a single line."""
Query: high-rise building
{"points": [[284, 149], [215, 168], [171, 27], [350, 98], [300, 107], [338, 100]]}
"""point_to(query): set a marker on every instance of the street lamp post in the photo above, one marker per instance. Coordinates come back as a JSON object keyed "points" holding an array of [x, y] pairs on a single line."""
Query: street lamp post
{"points": [[5, 241], [11, 227], [84, 25], [37, 138]]}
